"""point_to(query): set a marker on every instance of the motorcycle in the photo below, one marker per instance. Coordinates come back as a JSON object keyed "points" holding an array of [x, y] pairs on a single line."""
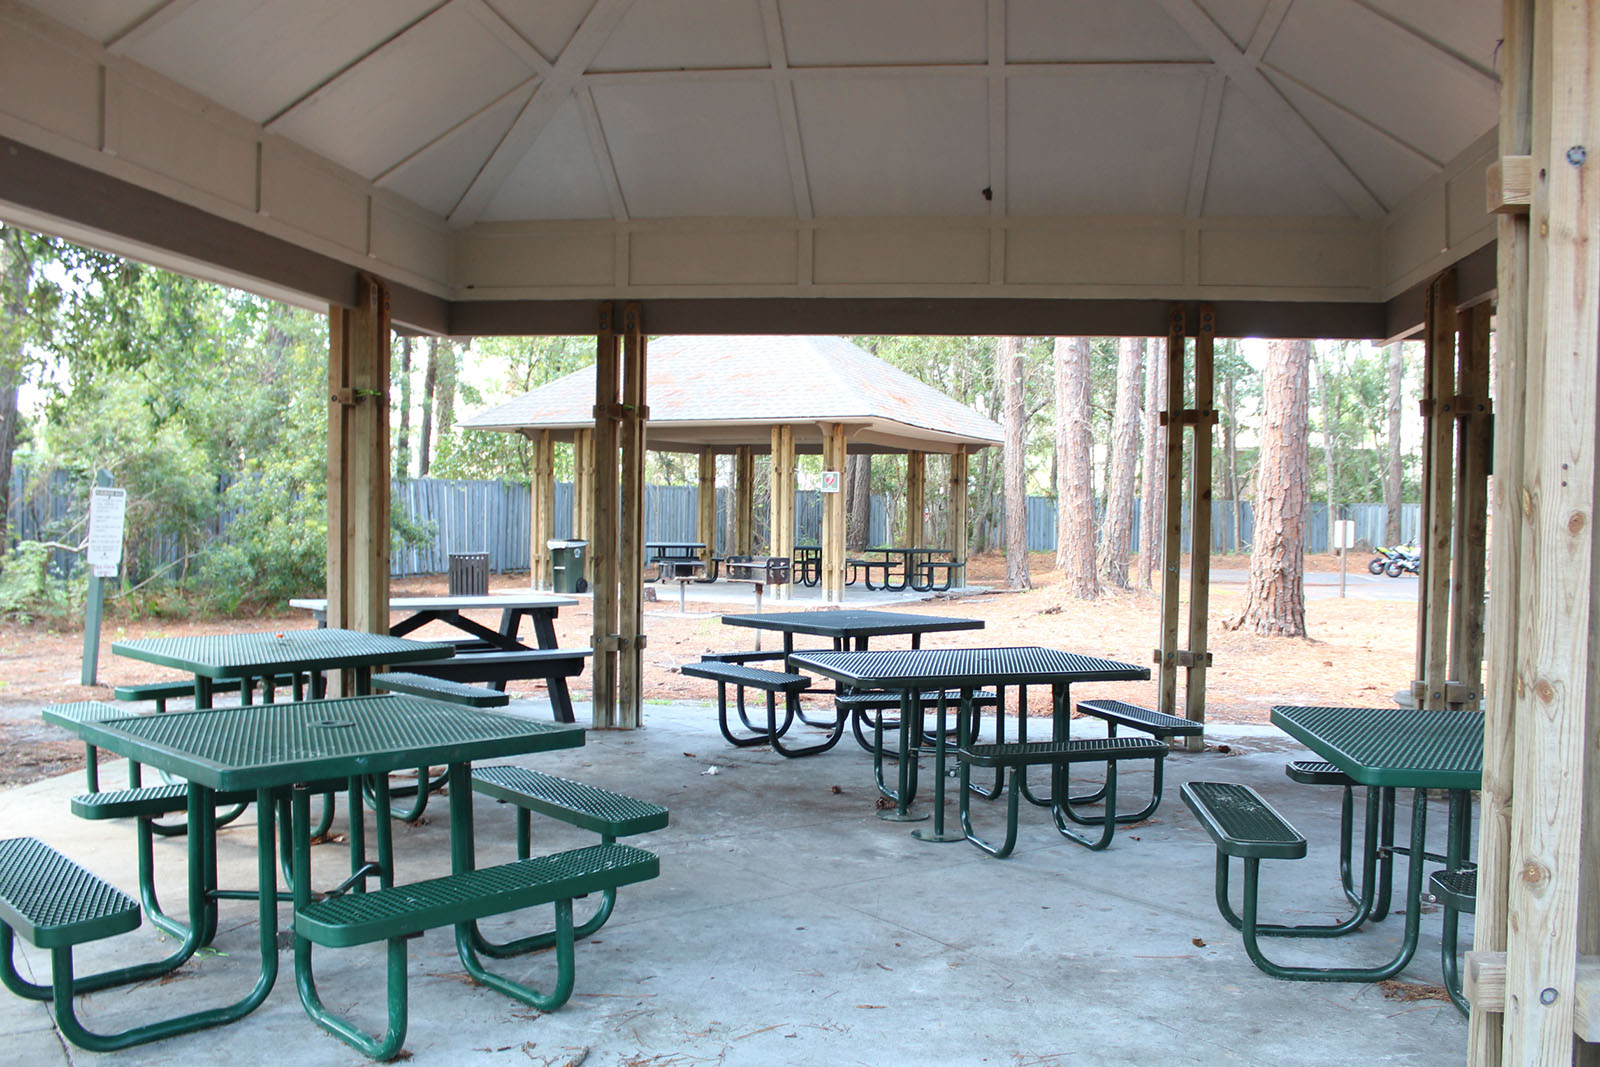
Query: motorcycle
{"points": [[1395, 561]]}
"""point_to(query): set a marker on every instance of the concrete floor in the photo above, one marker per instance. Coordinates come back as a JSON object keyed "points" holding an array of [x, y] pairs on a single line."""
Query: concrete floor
{"points": [[792, 926]]}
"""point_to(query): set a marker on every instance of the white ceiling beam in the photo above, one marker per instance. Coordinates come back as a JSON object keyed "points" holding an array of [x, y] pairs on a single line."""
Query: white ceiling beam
{"points": [[490, 19], [870, 72], [547, 100], [602, 153], [788, 112], [1205, 144], [147, 24], [1266, 29], [1246, 74]]}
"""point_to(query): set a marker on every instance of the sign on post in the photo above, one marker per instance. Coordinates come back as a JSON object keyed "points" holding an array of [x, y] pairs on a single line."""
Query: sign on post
{"points": [[830, 481], [107, 510], [1344, 539]]}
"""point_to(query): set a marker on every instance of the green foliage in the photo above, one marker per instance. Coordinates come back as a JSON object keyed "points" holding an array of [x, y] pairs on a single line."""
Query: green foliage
{"points": [[26, 585]]}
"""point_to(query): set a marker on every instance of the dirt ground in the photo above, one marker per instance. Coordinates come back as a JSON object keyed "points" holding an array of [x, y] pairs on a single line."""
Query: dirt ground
{"points": [[1359, 651]]}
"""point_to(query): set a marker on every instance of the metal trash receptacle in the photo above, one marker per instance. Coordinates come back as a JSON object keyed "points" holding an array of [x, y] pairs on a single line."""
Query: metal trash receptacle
{"points": [[566, 566], [469, 573]]}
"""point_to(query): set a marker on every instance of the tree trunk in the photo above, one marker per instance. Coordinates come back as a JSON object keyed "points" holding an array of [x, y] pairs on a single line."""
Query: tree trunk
{"points": [[1394, 470], [1230, 458], [430, 380], [444, 401], [1115, 545], [1275, 604], [858, 502], [1153, 475], [402, 445], [1008, 365], [1329, 424], [1073, 391], [15, 276]]}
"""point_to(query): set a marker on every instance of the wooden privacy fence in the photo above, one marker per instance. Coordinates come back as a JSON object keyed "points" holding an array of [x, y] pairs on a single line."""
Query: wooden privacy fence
{"points": [[492, 516]]}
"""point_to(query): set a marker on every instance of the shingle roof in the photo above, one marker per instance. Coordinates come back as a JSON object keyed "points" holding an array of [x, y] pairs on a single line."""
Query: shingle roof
{"points": [[726, 391]]}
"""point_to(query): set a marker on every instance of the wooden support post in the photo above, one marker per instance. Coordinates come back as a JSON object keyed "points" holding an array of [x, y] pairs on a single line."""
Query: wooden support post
{"points": [[1469, 550], [1555, 852], [744, 500], [1438, 487], [358, 460], [780, 540], [603, 545], [705, 526], [916, 496], [583, 486], [542, 509], [1484, 1029], [960, 468], [1200, 523], [1172, 540], [630, 527], [833, 551]]}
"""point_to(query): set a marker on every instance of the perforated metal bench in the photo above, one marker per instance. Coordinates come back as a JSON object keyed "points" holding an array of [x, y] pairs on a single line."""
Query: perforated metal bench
{"points": [[392, 915], [1146, 720], [771, 683], [422, 685], [611, 815], [161, 692], [1058, 754]]}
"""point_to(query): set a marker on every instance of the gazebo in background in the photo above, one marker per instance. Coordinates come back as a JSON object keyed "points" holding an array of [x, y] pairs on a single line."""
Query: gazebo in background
{"points": [[753, 395]]}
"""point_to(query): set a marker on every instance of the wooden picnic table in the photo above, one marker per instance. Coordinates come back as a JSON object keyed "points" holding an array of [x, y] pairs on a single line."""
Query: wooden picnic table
{"points": [[540, 609]]}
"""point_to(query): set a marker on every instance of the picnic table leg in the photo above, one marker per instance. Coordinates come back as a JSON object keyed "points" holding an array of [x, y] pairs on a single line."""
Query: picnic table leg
{"points": [[906, 784], [937, 832], [544, 631]]}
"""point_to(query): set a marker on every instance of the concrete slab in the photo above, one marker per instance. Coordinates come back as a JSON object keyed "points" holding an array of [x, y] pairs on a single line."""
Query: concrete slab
{"points": [[790, 925]]}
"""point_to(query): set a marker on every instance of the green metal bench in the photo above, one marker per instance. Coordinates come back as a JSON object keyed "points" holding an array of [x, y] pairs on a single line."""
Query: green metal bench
{"points": [[860, 703], [394, 914], [772, 683], [422, 685], [611, 815], [70, 716], [1457, 892], [161, 692], [1059, 755], [1321, 772], [1157, 724]]}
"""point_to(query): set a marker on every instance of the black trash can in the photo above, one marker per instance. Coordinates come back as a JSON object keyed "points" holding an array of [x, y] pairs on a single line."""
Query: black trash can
{"points": [[566, 566], [469, 573]]}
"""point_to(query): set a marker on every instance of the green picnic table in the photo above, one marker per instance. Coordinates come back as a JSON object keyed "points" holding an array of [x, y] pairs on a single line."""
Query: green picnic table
{"points": [[1387, 749], [273, 751]]}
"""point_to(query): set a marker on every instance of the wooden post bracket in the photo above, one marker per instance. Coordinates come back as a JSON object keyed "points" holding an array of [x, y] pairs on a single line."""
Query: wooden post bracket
{"points": [[1183, 658], [1190, 417], [1510, 185], [1484, 985]]}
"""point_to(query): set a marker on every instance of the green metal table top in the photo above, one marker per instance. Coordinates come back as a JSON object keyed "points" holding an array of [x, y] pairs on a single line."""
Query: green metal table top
{"points": [[965, 667], [1406, 748], [849, 624], [266, 745], [273, 652]]}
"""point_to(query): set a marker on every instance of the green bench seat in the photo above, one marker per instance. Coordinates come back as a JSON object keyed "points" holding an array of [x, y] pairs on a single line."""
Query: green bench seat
{"points": [[397, 913], [51, 902], [422, 685], [161, 692], [772, 683], [1457, 891], [71, 716], [1018, 755], [148, 802], [1146, 720]]}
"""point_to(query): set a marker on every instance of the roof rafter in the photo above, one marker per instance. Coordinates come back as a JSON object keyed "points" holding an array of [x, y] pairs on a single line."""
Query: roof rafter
{"points": [[1482, 70], [1245, 72], [147, 24], [788, 112], [602, 153], [553, 91]]}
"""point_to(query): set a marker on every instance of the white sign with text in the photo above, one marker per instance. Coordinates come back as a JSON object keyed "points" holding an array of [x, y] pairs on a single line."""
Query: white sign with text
{"points": [[107, 510]]}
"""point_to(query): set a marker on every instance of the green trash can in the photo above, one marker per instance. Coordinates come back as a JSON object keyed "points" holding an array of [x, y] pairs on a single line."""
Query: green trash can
{"points": [[566, 566]]}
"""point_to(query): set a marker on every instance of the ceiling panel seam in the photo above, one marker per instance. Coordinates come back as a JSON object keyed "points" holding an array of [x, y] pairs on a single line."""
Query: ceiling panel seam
{"points": [[147, 24], [602, 153], [1261, 37], [788, 112], [1205, 143], [1387, 134], [316, 90], [997, 188], [1325, 162], [547, 99], [523, 88], [1483, 70]]}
